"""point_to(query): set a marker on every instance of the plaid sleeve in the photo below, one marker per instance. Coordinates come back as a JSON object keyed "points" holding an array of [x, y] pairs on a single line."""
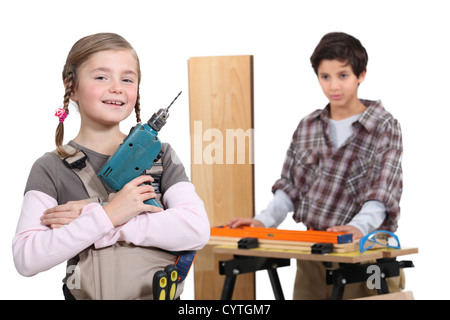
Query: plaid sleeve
{"points": [[286, 181], [386, 179]]}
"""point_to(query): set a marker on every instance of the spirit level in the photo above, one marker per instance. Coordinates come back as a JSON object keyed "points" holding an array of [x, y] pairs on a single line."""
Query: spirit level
{"points": [[280, 234]]}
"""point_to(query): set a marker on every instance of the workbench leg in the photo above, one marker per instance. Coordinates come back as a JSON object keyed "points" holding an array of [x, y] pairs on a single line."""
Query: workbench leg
{"points": [[228, 287], [276, 285], [338, 288], [383, 286]]}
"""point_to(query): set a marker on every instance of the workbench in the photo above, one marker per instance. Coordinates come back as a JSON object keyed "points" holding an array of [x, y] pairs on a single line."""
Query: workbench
{"points": [[353, 266]]}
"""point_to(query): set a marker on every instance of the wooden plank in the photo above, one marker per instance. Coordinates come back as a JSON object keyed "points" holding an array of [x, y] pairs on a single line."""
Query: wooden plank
{"points": [[283, 244], [221, 127], [346, 257], [299, 254], [393, 253]]}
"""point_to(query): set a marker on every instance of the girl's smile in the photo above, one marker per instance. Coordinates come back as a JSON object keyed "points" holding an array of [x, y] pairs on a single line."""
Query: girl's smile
{"points": [[114, 103]]}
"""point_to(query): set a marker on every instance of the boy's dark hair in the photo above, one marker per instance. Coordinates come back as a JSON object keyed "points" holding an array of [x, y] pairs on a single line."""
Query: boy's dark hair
{"points": [[343, 47]]}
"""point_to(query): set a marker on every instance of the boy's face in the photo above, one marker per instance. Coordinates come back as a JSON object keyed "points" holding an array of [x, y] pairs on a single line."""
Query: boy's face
{"points": [[340, 85]]}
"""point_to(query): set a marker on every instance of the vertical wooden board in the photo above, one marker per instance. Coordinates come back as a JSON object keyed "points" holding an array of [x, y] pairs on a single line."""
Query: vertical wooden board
{"points": [[221, 101], [221, 125]]}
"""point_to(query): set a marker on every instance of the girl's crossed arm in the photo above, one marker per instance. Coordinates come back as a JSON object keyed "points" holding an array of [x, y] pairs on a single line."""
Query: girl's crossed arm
{"points": [[184, 225], [37, 247]]}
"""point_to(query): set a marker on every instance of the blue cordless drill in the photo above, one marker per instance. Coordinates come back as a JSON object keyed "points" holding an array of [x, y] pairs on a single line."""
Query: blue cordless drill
{"points": [[137, 153]]}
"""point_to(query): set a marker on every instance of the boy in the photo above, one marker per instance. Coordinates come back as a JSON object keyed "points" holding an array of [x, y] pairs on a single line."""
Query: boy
{"points": [[342, 171]]}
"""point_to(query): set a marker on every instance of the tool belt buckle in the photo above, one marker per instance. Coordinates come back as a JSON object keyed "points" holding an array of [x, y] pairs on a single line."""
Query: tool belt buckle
{"points": [[76, 164]]}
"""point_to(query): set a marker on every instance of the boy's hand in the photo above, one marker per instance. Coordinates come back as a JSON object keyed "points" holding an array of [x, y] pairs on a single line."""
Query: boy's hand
{"points": [[240, 222], [63, 214], [357, 234]]}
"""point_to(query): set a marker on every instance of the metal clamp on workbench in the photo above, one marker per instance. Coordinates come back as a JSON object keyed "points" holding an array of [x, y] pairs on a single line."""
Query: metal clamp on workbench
{"points": [[248, 243], [243, 264], [322, 248]]}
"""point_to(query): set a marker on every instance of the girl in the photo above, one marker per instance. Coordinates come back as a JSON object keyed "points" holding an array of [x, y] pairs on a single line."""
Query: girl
{"points": [[113, 248]]}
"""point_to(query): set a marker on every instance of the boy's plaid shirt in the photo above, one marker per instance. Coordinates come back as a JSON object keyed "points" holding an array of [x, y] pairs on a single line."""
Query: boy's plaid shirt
{"points": [[329, 186]]}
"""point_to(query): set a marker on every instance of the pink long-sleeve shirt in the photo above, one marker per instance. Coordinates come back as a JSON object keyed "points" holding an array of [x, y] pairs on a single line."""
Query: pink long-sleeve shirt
{"points": [[184, 225]]}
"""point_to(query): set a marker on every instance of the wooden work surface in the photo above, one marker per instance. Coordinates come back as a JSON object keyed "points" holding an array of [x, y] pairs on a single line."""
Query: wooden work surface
{"points": [[347, 257]]}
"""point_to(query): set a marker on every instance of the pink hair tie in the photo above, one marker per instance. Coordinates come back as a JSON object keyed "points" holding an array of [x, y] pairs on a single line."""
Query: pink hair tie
{"points": [[61, 114]]}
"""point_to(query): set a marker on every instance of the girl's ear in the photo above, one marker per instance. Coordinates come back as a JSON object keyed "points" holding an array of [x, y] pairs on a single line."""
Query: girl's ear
{"points": [[73, 97]]}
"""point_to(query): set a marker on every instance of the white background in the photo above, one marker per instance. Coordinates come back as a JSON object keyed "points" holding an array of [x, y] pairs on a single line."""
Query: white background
{"points": [[408, 70]]}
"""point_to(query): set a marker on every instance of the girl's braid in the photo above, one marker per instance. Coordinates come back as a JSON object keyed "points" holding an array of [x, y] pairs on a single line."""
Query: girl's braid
{"points": [[137, 107], [69, 88], [59, 137]]}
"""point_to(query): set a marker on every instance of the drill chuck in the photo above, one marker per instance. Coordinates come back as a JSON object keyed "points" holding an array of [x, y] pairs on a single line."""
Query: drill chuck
{"points": [[158, 120]]}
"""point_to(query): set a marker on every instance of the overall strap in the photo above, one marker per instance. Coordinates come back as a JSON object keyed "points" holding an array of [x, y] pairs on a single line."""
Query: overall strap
{"points": [[79, 164]]}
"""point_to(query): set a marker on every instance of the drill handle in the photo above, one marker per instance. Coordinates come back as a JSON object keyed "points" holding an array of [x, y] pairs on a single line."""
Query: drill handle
{"points": [[152, 202]]}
